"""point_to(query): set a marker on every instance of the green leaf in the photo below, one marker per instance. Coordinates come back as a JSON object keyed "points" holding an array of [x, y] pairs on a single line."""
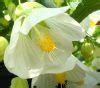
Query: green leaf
{"points": [[47, 3], [2, 5], [85, 8], [1, 14], [7, 2]]}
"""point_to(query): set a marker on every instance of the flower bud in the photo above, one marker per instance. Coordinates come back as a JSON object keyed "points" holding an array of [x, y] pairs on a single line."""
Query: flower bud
{"points": [[25, 8], [3, 45], [4, 22], [87, 50], [19, 83], [11, 8]]}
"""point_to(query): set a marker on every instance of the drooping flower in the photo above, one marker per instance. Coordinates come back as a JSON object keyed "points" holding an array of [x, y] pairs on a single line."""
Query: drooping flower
{"points": [[74, 77], [41, 40], [92, 22]]}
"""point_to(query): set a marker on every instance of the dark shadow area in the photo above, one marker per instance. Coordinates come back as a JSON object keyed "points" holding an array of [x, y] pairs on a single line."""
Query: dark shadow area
{"points": [[5, 77]]}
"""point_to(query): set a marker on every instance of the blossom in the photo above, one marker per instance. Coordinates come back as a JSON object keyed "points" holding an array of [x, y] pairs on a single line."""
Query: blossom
{"points": [[92, 22], [72, 78], [41, 40]]}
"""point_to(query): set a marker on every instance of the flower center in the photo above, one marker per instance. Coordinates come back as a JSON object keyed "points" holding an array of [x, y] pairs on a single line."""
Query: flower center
{"points": [[92, 24], [60, 78], [47, 44]]}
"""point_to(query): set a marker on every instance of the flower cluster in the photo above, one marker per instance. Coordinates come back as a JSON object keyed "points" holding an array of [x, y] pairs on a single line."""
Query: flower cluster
{"points": [[41, 48]]}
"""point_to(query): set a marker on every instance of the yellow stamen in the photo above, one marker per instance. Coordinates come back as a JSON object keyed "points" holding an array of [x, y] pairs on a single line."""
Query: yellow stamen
{"points": [[47, 44], [60, 78], [92, 24]]}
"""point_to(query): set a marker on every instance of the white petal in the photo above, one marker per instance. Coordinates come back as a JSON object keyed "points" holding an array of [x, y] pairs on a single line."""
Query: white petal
{"points": [[66, 65], [66, 26], [96, 63], [23, 59], [62, 43], [15, 32], [95, 75], [73, 85], [90, 82], [38, 15], [75, 75], [44, 81], [78, 72]]}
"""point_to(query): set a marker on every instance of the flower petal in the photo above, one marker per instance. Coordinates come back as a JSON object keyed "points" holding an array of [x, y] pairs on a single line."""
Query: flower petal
{"points": [[76, 74], [15, 32], [44, 81], [65, 65], [96, 63], [95, 75], [66, 26], [38, 15], [90, 82], [23, 60], [62, 43], [73, 85]]}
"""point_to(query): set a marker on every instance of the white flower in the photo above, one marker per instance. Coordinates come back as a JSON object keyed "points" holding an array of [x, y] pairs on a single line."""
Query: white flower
{"points": [[41, 39], [91, 21], [72, 78], [94, 17]]}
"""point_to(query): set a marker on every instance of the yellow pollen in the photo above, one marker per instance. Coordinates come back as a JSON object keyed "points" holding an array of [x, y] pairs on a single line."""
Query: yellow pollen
{"points": [[47, 44], [92, 24], [60, 78]]}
